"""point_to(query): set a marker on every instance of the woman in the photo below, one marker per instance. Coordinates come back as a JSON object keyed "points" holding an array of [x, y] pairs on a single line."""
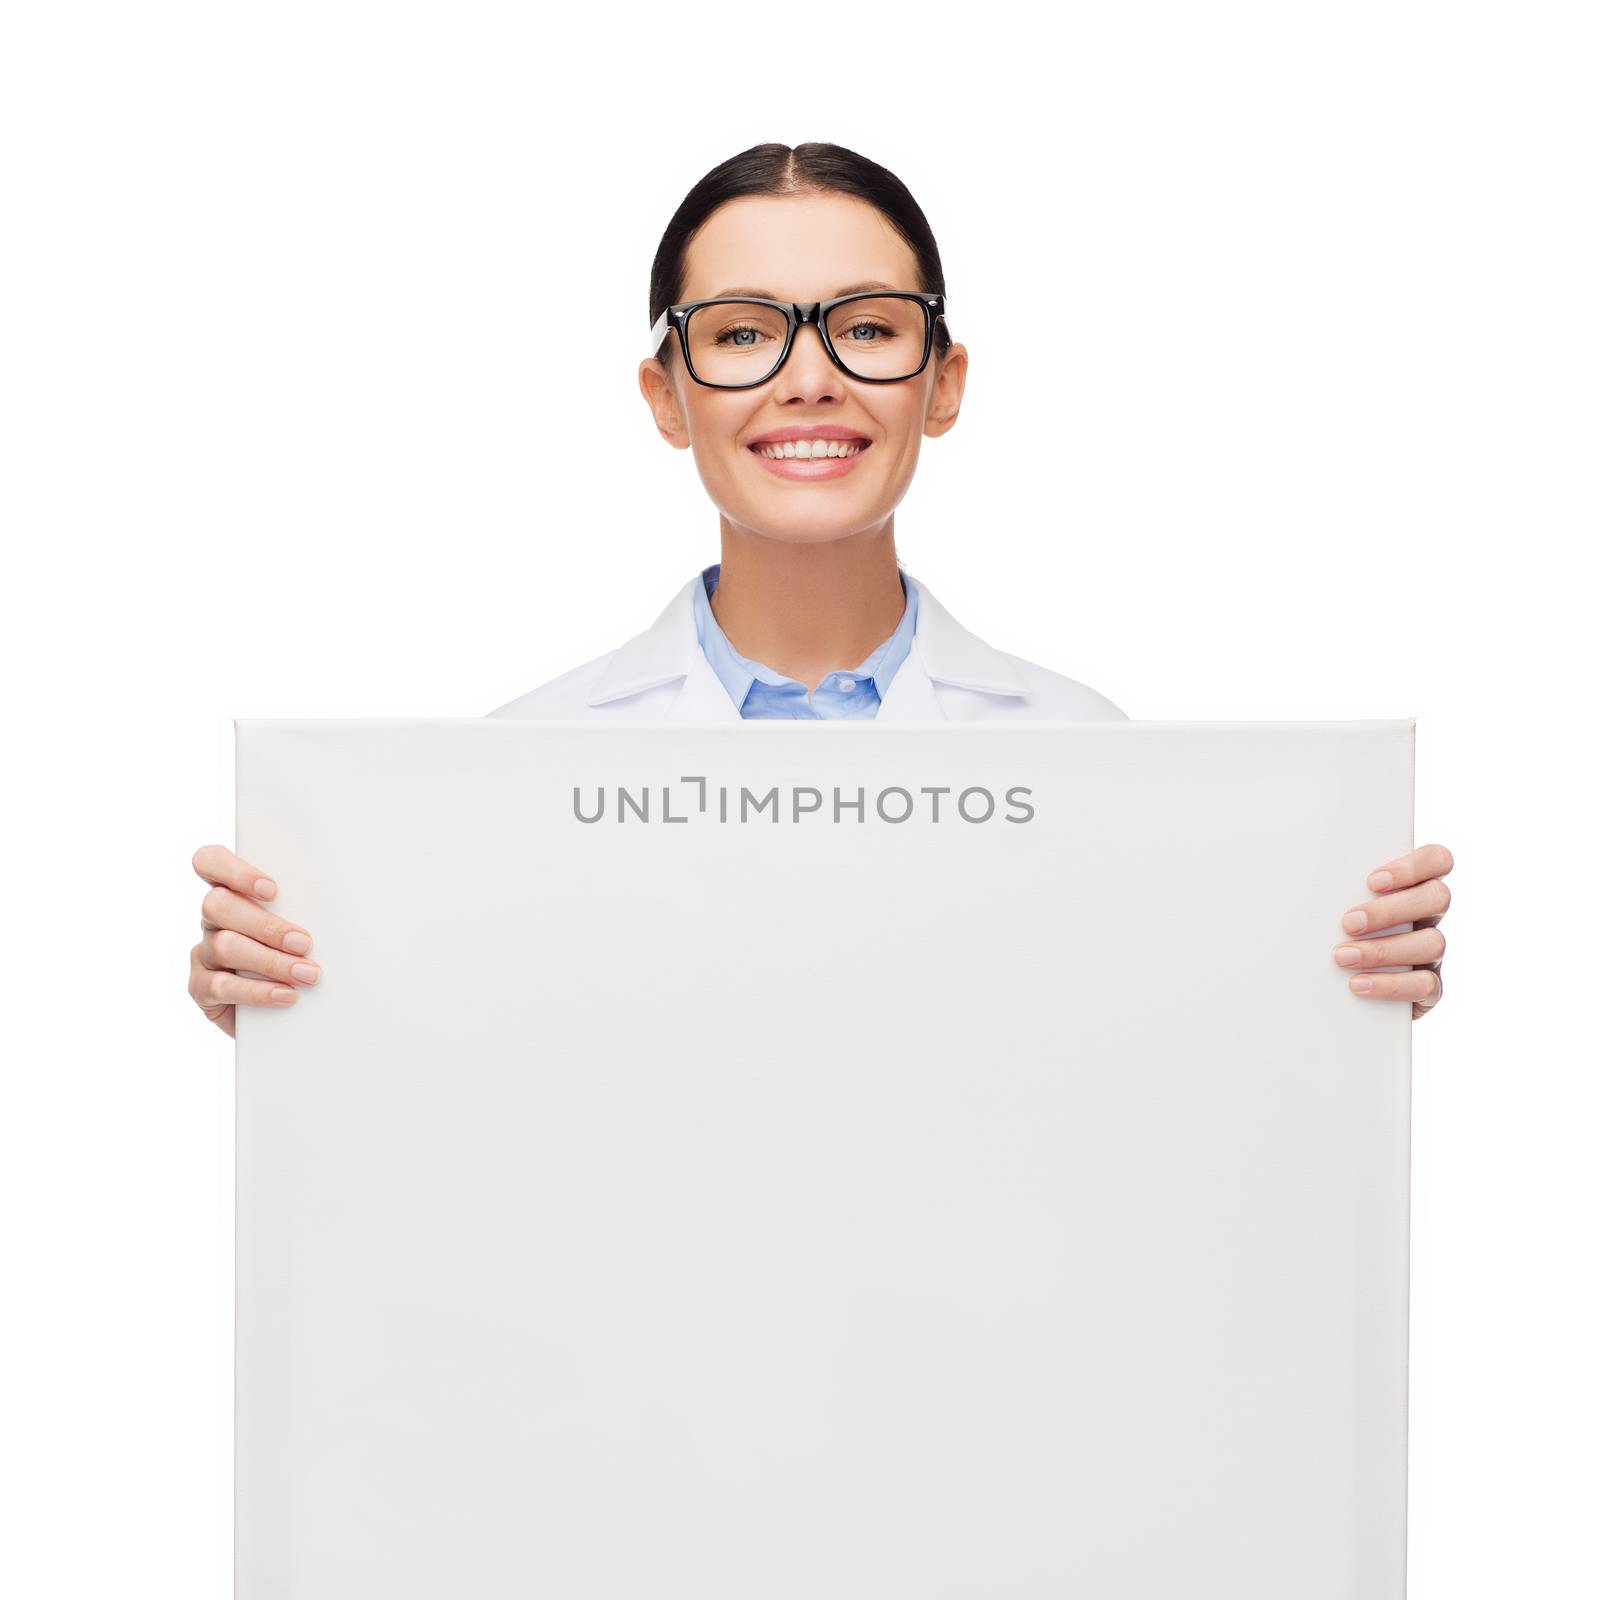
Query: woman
{"points": [[804, 388]]}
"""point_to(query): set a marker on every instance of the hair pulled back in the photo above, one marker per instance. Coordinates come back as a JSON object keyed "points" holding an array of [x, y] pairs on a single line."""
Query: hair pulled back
{"points": [[778, 169]]}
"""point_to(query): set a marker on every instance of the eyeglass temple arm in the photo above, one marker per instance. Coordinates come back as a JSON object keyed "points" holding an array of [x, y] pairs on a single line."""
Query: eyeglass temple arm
{"points": [[659, 332]]}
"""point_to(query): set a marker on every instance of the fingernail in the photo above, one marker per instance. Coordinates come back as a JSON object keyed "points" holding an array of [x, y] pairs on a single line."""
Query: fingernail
{"points": [[1354, 922], [1380, 880], [1347, 955], [283, 997], [1361, 985], [297, 943], [265, 888], [305, 972]]}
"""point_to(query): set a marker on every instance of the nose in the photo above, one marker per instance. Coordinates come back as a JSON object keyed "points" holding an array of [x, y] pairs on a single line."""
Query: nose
{"points": [[808, 372]]}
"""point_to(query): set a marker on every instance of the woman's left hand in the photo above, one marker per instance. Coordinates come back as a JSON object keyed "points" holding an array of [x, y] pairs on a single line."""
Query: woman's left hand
{"points": [[1411, 889]]}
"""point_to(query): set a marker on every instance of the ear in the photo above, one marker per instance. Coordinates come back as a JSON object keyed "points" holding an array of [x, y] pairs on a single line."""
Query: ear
{"points": [[661, 395], [944, 399]]}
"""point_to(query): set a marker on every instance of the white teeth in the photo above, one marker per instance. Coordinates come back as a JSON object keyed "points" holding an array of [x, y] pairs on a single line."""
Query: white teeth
{"points": [[810, 449]]}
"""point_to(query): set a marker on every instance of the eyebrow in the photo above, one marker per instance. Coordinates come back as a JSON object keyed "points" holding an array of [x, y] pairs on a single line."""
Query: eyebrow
{"points": [[767, 294]]}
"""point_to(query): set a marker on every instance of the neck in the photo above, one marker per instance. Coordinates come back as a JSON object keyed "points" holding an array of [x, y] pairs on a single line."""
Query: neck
{"points": [[807, 609]]}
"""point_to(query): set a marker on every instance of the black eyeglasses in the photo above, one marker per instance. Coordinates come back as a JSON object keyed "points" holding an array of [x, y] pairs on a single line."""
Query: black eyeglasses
{"points": [[738, 342]]}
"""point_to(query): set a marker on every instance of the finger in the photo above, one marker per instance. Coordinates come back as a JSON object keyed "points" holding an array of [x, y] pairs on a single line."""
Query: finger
{"points": [[1422, 987], [226, 950], [1420, 1008], [223, 908], [1414, 949], [1426, 861], [1430, 899], [213, 991], [216, 863]]}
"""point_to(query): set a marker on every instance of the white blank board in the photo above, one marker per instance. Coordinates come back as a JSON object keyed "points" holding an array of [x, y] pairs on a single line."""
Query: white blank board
{"points": [[815, 1205]]}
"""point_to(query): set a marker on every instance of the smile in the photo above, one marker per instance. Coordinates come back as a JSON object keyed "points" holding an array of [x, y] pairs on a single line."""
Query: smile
{"points": [[809, 449], [810, 459]]}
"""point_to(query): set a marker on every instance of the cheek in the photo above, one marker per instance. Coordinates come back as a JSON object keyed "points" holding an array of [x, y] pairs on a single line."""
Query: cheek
{"points": [[715, 422], [900, 414], [900, 429]]}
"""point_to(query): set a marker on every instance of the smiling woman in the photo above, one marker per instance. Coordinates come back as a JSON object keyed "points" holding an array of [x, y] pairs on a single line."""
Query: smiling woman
{"points": [[799, 348]]}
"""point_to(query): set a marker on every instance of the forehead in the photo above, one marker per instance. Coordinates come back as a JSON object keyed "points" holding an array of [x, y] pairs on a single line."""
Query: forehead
{"points": [[796, 247]]}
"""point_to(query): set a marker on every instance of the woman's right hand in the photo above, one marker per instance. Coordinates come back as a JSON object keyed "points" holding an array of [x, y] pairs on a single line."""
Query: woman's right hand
{"points": [[241, 935]]}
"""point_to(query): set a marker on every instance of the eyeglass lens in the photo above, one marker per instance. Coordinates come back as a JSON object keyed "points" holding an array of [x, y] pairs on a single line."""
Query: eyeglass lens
{"points": [[738, 342]]}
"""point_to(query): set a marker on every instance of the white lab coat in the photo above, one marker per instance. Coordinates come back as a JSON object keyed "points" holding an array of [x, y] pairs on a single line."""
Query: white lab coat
{"points": [[950, 675]]}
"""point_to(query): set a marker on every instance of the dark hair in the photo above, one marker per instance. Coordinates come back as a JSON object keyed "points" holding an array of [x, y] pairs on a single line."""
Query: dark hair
{"points": [[801, 169]]}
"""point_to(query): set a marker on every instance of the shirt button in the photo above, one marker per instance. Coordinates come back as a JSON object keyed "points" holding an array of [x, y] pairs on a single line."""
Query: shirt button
{"points": [[847, 684]]}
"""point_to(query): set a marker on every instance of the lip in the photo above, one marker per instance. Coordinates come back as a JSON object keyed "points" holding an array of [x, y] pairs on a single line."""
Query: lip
{"points": [[809, 430], [809, 471]]}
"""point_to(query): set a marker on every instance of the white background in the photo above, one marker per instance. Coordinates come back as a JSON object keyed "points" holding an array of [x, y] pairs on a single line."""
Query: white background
{"points": [[281, 434]]}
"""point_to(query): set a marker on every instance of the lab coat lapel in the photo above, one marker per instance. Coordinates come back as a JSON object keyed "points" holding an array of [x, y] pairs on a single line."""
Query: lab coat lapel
{"points": [[942, 651], [668, 649], [703, 697], [910, 696]]}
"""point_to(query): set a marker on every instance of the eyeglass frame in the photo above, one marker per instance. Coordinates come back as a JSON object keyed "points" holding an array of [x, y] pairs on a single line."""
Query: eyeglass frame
{"points": [[798, 312]]}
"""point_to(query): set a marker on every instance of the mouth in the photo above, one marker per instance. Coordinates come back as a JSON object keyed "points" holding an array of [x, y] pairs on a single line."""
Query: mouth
{"points": [[809, 459]]}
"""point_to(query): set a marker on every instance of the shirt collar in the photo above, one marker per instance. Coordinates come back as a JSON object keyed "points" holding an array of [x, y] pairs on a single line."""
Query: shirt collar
{"points": [[668, 651], [738, 672]]}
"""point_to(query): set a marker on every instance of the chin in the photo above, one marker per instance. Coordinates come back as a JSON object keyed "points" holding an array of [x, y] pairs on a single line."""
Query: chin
{"points": [[822, 524]]}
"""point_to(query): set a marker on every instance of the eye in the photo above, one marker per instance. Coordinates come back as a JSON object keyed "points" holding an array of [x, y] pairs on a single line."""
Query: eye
{"points": [[880, 330], [734, 337]]}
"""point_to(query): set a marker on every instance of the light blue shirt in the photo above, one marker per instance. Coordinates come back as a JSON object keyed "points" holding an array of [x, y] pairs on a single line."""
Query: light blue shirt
{"points": [[760, 692]]}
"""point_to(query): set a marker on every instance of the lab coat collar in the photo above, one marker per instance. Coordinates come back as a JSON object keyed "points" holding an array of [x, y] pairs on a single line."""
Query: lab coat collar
{"points": [[942, 651]]}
